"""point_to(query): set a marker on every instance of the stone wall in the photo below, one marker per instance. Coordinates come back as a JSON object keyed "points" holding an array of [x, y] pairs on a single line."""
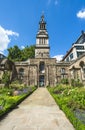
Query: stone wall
{"points": [[77, 69], [48, 72]]}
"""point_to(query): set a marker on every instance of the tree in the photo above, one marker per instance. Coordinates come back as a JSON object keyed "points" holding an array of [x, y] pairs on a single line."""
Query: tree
{"points": [[16, 54], [28, 52]]}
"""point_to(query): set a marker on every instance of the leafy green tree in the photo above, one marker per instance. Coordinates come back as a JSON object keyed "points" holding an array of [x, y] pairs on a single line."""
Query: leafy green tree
{"points": [[16, 54], [28, 52]]}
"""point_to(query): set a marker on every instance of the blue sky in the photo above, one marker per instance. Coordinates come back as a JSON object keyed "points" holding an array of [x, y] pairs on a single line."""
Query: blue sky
{"points": [[19, 23]]}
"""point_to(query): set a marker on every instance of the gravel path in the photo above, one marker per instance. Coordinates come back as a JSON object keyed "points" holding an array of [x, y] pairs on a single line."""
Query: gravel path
{"points": [[37, 112]]}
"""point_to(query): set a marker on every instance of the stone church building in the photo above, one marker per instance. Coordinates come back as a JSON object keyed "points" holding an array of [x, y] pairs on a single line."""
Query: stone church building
{"points": [[46, 71], [40, 71]]}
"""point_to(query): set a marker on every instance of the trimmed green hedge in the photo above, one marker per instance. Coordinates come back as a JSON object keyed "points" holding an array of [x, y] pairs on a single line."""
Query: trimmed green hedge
{"points": [[62, 102], [13, 101]]}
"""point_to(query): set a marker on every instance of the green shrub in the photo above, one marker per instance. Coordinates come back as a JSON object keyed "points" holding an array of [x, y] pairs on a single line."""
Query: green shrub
{"points": [[76, 83], [6, 78], [12, 101], [69, 100], [58, 89], [65, 81]]}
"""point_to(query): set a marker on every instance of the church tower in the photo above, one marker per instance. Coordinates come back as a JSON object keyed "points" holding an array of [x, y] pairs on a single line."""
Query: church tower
{"points": [[42, 41]]}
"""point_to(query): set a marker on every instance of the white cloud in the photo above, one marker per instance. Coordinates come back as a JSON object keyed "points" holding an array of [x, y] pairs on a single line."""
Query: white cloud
{"points": [[22, 47], [81, 14], [4, 38], [58, 57], [11, 33]]}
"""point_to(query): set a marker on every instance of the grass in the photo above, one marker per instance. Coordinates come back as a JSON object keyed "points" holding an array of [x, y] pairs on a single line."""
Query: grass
{"points": [[70, 99]]}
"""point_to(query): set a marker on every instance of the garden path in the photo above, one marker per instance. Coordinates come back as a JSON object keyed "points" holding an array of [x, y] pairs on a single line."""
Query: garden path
{"points": [[38, 112]]}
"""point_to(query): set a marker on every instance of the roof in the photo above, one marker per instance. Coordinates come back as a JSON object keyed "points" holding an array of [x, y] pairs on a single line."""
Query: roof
{"points": [[83, 34], [67, 53]]}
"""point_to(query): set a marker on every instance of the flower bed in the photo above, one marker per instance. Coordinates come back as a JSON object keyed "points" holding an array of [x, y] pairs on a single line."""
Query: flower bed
{"points": [[70, 100], [8, 100]]}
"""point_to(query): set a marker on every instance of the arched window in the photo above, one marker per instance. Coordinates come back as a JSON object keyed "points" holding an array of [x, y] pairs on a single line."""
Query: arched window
{"points": [[21, 73], [83, 73], [81, 63], [42, 66], [63, 70]]}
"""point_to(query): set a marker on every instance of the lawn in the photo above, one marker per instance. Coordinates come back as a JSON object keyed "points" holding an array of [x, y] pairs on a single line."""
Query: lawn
{"points": [[72, 101]]}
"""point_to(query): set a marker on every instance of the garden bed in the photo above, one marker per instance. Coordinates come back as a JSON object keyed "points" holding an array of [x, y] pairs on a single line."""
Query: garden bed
{"points": [[72, 101], [8, 101], [80, 114]]}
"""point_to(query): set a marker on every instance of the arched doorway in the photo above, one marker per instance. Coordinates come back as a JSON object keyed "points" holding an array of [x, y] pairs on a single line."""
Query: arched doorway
{"points": [[41, 81], [41, 74]]}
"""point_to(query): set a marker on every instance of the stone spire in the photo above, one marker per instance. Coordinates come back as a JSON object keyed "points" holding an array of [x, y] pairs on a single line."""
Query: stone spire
{"points": [[42, 23]]}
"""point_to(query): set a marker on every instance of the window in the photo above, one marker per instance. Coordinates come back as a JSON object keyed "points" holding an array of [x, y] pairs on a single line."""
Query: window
{"points": [[42, 66], [79, 54], [79, 47], [41, 54], [81, 63], [21, 73], [40, 41], [67, 59], [63, 70], [71, 56]]}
